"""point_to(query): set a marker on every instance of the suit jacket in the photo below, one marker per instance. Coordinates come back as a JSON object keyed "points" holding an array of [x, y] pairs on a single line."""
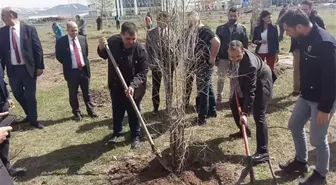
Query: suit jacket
{"points": [[63, 55], [4, 96], [255, 76], [272, 38], [159, 48], [31, 49]]}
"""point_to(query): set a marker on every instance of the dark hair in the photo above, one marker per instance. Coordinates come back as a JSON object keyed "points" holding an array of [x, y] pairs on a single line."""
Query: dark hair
{"points": [[13, 13], [295, 17], [285, 5], [234, 10], [162, 14], [235, 44], [129, 27], [309, 3], [263, 14]]}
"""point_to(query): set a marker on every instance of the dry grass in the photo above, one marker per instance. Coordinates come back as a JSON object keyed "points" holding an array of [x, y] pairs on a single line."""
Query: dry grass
{"points": [[69, 152]]}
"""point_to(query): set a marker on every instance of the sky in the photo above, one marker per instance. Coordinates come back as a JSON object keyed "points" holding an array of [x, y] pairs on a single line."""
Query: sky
{"points": [[37, 3]]}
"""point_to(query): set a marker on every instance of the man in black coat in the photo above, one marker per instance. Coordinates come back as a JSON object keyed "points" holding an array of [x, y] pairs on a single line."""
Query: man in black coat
{"points": [[21, 53], [317, 102], [72, 53], [251, 81], [307, 7], [5, 104], [131, 59]]}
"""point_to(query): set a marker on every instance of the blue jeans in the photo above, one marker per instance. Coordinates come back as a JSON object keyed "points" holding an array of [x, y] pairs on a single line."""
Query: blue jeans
{"points": [[205, 101], [303, 112]]}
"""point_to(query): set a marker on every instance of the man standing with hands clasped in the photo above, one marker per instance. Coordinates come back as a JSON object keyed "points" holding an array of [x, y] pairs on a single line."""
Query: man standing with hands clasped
{"points": [[72, 53], [318, 93], [131, 59]]}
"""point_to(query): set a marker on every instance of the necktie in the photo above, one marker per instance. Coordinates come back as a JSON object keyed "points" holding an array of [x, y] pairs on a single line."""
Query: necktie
{"points": [[15, 46], [79, 63]]}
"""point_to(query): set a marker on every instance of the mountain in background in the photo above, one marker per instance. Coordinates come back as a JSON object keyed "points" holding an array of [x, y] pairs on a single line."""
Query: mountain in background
{"points": [[60, 10]]}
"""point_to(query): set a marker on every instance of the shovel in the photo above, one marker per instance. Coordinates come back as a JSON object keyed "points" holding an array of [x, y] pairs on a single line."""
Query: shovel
{"points": [[155, 150], [249, 168]]}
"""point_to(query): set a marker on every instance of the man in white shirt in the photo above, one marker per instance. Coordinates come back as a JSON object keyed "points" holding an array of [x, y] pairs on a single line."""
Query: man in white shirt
{"points": [[24, 61], [72, 53]]}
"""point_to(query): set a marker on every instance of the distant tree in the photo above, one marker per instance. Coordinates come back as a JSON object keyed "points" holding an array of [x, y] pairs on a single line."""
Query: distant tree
{"points": [[104, 6]]}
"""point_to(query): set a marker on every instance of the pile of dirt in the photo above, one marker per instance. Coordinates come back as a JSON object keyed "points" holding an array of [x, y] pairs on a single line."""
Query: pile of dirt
{"points": [[100, 98], [146, 171]]}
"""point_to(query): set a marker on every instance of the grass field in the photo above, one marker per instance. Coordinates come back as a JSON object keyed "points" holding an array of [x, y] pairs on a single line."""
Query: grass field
{"points": [[69, 152]]}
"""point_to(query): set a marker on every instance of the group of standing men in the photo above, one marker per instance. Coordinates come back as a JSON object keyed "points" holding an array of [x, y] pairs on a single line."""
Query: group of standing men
{"points": [[251, 79]]}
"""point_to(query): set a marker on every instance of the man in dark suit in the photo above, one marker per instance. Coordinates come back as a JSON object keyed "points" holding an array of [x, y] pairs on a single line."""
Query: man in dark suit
{"points": [[161, 59], [251, 79], [5, 104], [21, 53], [72, 53]]}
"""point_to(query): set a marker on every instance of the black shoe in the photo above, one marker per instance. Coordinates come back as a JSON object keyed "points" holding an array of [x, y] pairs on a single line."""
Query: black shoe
{"points": [[315, 179], [113, 139], [38, 126], [260, 157], [212, 115], [291, 167], [16, 173], [155, 112], [25, 120], [93, 115], [78, 117], [200, 121], [240, 134], [135, 143]]}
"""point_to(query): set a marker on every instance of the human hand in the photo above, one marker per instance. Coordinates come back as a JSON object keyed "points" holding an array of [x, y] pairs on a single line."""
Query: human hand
{"points": [[11, 103], [4, 132], [243, 119], [129, 92], [102, 43], [276, 58], [39, 72], [322, 117]]}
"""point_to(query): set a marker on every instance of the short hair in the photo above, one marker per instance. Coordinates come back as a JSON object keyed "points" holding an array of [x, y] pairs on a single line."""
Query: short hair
{"points": [[129, 27], [70, 24], [295, 17], [285, 5], [162, 15], [234, 10], [309, 3], [193, 17], [236, 44]]}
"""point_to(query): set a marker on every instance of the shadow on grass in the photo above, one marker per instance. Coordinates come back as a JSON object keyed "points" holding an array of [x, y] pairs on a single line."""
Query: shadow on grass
{"points": [[277, 104], [71, 158], [20, 126]]}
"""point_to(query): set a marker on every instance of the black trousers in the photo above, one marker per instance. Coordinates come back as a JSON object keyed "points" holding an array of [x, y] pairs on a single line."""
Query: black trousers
{"points": [[80, 79], [156, 82], [121, 104], [118, 25], [263, 96]]}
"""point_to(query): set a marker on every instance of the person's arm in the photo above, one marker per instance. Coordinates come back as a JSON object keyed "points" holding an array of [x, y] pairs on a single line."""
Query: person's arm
{"points": [[328, 79], [152, 54], [102, 51], [320, 22], [276, 39], [86, 47], [255, 39], [58, 51], [141, 67], [250, 86], [214, 49], [245, 38], [37, 49]]}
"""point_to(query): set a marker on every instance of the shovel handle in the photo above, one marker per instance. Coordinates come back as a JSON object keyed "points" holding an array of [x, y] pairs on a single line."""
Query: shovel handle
{"points": [[129, 97], [246, 145]]}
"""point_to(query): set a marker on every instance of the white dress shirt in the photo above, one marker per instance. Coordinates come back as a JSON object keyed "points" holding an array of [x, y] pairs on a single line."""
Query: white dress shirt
{"points": [[263, 47], [73, 56], [18, 43]]}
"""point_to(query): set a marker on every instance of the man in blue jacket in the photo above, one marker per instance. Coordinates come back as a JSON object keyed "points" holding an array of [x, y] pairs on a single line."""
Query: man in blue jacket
{"points": [[318, 93]]}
